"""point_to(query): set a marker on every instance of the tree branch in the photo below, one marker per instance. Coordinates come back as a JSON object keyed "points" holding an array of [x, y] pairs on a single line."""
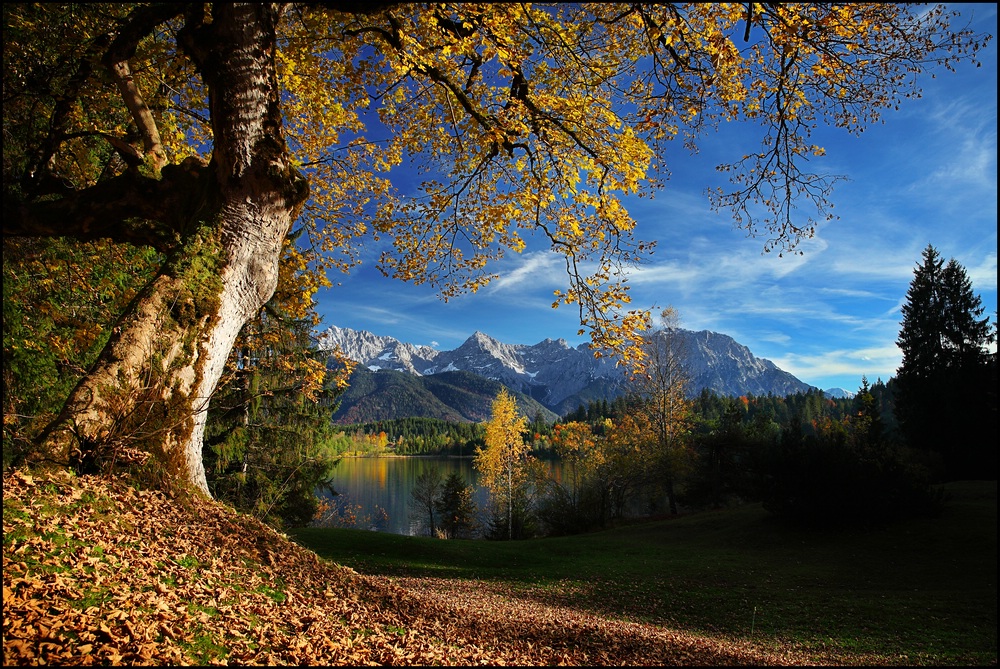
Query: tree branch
{"points": [[129, 208]]}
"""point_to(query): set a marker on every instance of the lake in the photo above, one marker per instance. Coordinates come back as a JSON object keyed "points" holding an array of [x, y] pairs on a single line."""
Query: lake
{"points": [[374, 493]]}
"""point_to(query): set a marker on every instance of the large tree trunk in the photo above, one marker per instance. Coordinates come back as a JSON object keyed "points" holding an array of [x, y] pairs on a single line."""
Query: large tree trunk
{"points": [[154, 380]]}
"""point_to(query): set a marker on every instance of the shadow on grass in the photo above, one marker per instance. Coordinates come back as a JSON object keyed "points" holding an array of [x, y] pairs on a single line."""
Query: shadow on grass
{"points": [[917, 592]]}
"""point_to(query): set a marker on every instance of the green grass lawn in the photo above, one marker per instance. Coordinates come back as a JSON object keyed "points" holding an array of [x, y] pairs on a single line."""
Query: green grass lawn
{"points": [[923, 591]]}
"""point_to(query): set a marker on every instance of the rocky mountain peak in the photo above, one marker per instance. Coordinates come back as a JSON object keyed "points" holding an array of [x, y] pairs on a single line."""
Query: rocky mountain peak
{"points": [[562, 377]]}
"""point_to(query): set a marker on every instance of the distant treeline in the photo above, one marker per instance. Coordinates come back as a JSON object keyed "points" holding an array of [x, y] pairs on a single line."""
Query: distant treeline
{"points": [[710, 408], [417, 436], [432, 436]]}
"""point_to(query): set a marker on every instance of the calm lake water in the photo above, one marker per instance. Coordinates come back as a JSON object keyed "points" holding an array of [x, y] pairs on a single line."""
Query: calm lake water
{"points": [[374, 493]]}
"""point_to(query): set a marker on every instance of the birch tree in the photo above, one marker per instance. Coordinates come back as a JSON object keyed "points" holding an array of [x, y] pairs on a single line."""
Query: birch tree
{"points": [[503, 463]]}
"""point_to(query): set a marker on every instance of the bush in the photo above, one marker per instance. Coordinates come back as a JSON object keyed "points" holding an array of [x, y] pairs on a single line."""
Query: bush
{"points": [[456, 509]]}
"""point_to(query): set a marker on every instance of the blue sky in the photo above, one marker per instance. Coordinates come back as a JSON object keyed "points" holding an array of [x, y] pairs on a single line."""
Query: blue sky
{"points": [[928, 175]]}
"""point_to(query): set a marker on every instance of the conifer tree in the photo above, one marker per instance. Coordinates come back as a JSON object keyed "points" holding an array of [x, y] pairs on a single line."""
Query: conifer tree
{"points": [[920, 336], [268, 437], [946, 401], [966, 335], [456, 508]]}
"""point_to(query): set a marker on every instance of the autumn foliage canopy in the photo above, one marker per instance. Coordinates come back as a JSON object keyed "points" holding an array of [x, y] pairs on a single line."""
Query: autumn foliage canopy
{"points": [[208, 132]]}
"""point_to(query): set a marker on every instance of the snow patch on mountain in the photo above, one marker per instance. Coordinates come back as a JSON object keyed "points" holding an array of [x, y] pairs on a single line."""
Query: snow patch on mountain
{"points": [[560, 376]]}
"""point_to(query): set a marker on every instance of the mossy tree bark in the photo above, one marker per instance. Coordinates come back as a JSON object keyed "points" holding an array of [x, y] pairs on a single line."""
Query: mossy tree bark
{"points": [[222, 224]]}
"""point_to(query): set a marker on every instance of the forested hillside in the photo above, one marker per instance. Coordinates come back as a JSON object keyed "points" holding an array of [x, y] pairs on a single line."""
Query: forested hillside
{"points": [[460, 397]]}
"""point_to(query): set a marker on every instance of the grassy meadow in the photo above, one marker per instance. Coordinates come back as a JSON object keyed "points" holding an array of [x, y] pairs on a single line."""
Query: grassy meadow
{"points": [[923, 591]]}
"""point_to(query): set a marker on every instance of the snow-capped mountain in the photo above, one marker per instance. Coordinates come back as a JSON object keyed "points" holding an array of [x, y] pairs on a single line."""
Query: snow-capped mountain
{"points": [[560, 376], [377, 352]]}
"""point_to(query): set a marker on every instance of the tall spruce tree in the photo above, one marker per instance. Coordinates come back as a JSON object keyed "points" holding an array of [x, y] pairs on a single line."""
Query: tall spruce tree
{"points": [[966, 335], [920, 337], [947, 380]]}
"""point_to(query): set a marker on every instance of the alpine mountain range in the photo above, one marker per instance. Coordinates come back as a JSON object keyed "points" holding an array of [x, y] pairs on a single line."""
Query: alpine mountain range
{"points": [[550, 377]]}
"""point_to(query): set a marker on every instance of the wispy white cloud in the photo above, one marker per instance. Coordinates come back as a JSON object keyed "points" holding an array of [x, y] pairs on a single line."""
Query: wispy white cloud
{"points": [[984, 274], [528, 272], [873, 362], [972, 164]]}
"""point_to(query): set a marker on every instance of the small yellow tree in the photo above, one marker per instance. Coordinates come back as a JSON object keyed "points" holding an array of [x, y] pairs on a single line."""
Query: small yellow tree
{"points": [[503, 463]]}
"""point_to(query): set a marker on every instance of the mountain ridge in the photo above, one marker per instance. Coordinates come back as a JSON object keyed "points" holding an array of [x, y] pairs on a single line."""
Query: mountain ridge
{"points": [[453, 396], [554, 374]]}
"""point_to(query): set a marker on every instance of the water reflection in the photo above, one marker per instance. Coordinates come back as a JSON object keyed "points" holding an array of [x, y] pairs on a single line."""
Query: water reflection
{"points": [[375, 493]]}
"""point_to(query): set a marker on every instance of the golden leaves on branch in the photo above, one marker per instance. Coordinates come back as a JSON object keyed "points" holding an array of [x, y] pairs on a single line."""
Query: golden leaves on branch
{"points": [[543, 121], [503, 159]]}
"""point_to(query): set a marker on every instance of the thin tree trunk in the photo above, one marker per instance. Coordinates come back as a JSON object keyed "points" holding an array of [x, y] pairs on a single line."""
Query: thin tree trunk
{"points": [[671, 500], [510, 502]]}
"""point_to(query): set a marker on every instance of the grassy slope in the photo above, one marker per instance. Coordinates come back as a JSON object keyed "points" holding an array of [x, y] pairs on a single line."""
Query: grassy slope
{"points": [[921, 592], [96, 571]]}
